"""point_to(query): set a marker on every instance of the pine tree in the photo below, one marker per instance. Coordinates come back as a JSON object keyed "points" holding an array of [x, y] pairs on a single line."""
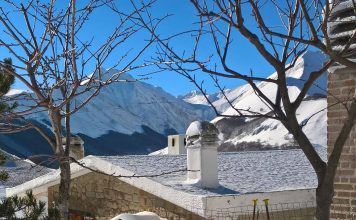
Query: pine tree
{"points": [[3, 175], [6, 80], [27, 207]]}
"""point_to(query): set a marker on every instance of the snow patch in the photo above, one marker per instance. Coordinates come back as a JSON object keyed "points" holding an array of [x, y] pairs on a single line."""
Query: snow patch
{"points": [[138, 216], [163, 151], [13, 92]]}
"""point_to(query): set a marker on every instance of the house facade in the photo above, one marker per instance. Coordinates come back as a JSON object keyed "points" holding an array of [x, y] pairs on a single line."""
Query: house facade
{"points": [[341, 89], [341, 82], [201, 184]]}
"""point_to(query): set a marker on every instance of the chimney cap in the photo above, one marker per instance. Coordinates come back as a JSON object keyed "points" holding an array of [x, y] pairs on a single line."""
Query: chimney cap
{"points": [[201, 128]]}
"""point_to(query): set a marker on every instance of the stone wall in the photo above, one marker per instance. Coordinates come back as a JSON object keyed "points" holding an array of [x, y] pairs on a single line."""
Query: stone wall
{"points": [[104, 197], [341, 86]]}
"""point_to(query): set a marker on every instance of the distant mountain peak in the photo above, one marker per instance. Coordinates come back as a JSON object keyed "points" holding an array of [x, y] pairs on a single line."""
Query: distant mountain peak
{"points": [[267, 133]]}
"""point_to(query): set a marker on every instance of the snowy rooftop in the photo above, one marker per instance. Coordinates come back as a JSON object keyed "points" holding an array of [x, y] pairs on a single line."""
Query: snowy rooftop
{"points": [[284, 176], [239, 173], [20, 171]]}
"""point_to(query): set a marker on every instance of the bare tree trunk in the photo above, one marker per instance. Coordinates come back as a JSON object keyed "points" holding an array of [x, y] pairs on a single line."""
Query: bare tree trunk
{"points": [[324, 195], [325, 189], [64, 165], [64, 189], [48, 67]]}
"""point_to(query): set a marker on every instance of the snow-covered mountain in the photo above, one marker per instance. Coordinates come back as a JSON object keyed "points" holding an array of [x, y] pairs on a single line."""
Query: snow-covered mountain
{"points": [[128, 106], [125, 118], [197, 97], [134, 118], [249, 134]]}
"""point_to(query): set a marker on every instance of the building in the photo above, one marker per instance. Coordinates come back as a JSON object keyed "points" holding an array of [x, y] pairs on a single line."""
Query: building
{"points": [[21, 171], [342, 86], [199, 185]]}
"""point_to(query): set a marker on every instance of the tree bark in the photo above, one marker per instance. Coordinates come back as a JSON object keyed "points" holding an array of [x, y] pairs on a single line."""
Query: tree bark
{"points": [[64, 189], [324, 195], [325, 189], [64, 165]]}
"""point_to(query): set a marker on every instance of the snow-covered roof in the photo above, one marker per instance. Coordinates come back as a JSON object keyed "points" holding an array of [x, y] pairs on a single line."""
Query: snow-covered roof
{"points": [[239, 172], [20, 171], [262, 174]]}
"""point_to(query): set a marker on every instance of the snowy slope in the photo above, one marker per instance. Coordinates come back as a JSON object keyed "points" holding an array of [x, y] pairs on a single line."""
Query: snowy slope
{"points": [[127, 106], [126, 117], [269, 133], [242, 134], [196, 97]]}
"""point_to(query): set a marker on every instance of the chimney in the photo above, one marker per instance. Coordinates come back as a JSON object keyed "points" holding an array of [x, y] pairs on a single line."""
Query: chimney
{"points": [[176, 144], [76, 149], [341, 86], [341, 26], [202, 145]]}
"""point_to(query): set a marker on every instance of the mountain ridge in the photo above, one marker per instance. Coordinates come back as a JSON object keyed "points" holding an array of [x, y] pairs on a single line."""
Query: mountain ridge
{"points": [[260, 134], [128, 114]]}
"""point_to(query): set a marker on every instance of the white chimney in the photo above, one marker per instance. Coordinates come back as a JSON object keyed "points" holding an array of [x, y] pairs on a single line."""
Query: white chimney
{"points": [[202, 145], [76, 148], [176, 144]]}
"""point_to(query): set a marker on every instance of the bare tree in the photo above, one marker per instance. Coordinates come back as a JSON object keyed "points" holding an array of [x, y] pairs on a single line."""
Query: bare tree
{"points": [[52, 59], [302, 25]]}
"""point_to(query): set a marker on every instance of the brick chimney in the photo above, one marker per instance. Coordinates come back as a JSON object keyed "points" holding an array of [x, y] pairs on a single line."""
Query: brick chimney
{"points": [[202, 145], [76, 149]]}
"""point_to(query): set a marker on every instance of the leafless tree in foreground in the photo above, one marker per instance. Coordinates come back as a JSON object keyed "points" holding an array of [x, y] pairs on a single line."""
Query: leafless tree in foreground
{"points": [[52, 57], [302, 25]]}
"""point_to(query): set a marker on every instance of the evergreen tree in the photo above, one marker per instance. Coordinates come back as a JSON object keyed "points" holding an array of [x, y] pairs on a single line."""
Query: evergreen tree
{"points": [[26, 208], [16, 208], [6, 80], [3, 175]]}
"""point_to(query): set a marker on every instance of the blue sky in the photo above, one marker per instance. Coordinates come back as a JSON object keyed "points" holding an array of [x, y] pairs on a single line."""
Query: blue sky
{"points": [[243, 57]]}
